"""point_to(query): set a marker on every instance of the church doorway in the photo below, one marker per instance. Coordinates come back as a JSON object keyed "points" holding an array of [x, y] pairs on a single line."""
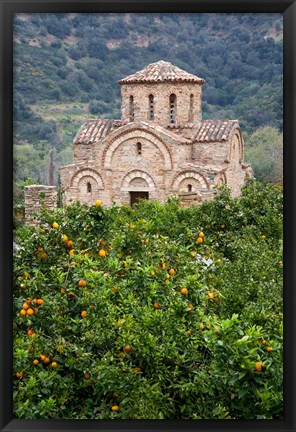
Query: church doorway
{"points": [[136, 196]]}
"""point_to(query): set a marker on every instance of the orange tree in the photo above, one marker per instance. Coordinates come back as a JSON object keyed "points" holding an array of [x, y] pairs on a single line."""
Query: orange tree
{"points": [[104, 329]]}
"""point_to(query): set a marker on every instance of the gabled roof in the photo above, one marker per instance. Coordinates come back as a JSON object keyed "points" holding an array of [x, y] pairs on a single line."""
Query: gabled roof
{"points": [[215, 130], [161, 71], [210, 130], [94, 130]]}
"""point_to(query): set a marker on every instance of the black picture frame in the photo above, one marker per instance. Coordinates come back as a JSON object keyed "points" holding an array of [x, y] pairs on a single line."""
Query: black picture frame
{"points": [[8, 9]]}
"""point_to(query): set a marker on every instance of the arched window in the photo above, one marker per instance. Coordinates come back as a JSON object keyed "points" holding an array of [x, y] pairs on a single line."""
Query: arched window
{"points": [[88, 187], [190, 115], [172, 109], [189, 188], [151, 107], [131, 108], [139, 148]]}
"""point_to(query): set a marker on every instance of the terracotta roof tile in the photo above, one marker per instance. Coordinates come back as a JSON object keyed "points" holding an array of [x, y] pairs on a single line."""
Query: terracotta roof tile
{"points": [[161, 71], [215, 130], [94, 130]]}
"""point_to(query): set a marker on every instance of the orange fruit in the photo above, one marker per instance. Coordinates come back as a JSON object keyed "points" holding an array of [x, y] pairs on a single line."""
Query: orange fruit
{"points": [[72, 252], [43, 255], [171, 272], [269, 348], [63, 290], [23, 312], [222, 226], [64, 238], [55, 225], [258, 366], [83, 314], [188, 332], [87, 376], [36, 311], [42, 357], [115, 408], [264, 342], [102, 253], [19, 374], [156, 306], [152, 273], [98, 203], [184, 291], [69, 243], [26, 274], [54, 364], [81, 283], [46, 360], [211, 295], [199, 240], [30, 332], [30, 311], [35, 362], [39, 301], [40, 249], [127, 349], [25, 306], [28, 301], [201, 234]]}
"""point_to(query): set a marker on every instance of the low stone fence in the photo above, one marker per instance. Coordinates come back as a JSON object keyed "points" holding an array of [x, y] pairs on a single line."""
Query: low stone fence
{"points": [[37, 196]]}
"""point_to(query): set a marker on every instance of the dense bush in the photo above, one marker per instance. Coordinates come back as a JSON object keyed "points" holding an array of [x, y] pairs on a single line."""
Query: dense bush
{"points": [[138, 319]]}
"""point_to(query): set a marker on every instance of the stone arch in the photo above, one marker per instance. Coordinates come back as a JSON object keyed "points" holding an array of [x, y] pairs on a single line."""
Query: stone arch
{"points": [[220, 179], [236, 147], [179, 177], [137, 174], [87, 173], [137, 134]]}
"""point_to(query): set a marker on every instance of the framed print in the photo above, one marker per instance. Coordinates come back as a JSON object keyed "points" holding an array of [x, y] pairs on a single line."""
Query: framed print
{"points": [[147, 191]]}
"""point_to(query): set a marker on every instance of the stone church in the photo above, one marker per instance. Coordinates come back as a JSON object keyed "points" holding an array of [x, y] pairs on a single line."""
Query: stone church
{"points": [[160, 147]]}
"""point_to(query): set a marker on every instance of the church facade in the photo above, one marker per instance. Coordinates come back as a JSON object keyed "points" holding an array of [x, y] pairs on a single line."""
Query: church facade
{"points": [[160, 147]]}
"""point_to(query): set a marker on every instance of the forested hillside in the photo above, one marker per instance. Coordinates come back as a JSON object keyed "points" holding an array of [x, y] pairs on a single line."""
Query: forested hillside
{"points": [[66, 68]]}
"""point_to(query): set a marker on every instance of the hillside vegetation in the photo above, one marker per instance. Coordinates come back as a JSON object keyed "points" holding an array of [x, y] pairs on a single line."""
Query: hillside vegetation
{"points": [[152, 312], [66, 68]]}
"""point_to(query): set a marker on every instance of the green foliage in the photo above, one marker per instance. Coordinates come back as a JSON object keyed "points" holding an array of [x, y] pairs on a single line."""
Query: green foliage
{"points": [[264, 151], [214, 352]]}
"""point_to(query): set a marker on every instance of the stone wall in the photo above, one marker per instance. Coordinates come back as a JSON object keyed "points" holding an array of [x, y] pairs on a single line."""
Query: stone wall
{"points": [[37, 196], [187, 105]]}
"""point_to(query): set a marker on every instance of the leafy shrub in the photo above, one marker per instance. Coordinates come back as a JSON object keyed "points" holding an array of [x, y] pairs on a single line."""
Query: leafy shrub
{"points": [[113, 334]]}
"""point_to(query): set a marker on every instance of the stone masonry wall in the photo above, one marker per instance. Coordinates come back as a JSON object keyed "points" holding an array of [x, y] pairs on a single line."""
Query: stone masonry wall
{"points": [[37, 196]]}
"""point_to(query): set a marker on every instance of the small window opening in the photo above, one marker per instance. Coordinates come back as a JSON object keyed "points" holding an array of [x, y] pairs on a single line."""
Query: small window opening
{"points": [[151, 107], [139, 148], [88, 187], [190, 116], [172, 109], [189, 188], [131, 108]]}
